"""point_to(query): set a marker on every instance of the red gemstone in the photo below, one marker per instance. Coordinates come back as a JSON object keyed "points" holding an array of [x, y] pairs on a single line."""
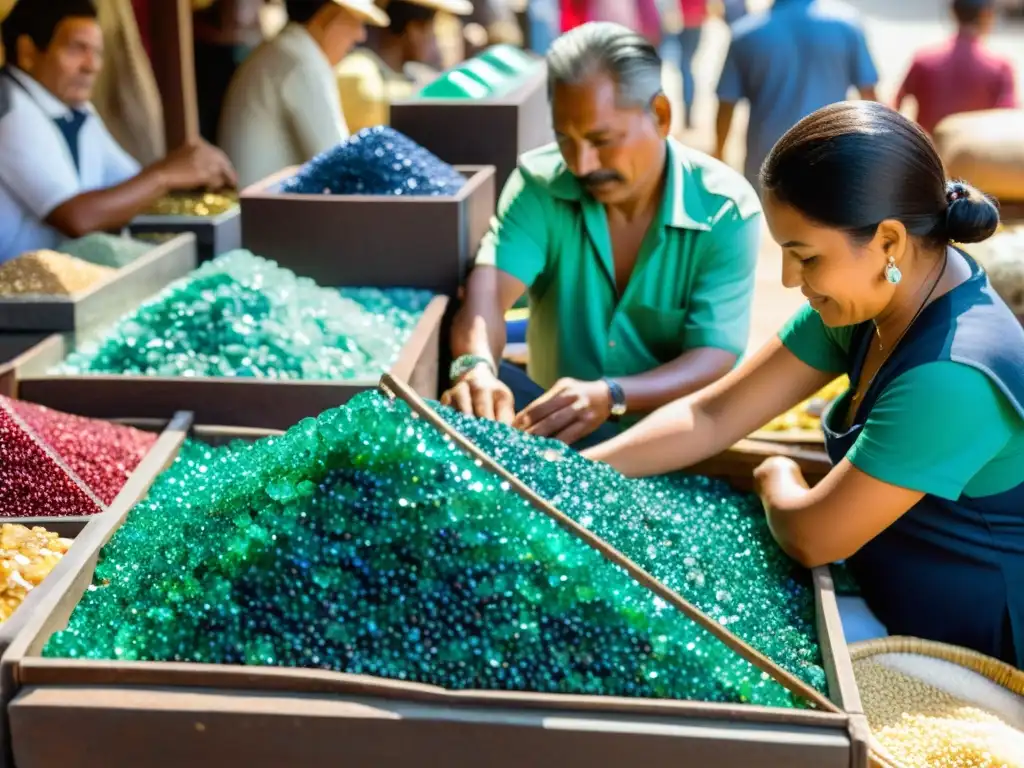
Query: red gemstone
{"points": [[53, 463]]}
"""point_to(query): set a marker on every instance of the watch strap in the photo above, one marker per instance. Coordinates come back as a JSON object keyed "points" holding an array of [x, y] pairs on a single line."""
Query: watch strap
{"points": [[466, 363], [618, 398]]}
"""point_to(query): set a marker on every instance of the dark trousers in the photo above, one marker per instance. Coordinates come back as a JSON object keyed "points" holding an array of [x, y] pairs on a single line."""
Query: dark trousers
{"points": [[525, 390], [686, 43]]}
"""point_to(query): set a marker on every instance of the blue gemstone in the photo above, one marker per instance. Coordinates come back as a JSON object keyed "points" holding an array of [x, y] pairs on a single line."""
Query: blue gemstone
{"points": [[376, 161]]}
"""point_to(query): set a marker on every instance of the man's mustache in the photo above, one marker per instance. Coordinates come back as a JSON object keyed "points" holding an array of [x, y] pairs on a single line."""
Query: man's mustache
{"points": [[599, 177]]}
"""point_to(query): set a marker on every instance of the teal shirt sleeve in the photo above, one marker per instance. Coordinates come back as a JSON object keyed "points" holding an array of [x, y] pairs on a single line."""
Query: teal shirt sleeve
{"points": [[718, 312], [517, 242], [934, 428], [817, 345]]}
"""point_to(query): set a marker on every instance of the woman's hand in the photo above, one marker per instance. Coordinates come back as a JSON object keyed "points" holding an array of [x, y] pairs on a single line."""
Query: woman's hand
{"points": [[778, 476]]}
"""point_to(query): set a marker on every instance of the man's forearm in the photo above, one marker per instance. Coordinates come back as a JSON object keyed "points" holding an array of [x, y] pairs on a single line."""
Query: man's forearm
{"points": [[111, 208], [688, 373], [478, 332]]}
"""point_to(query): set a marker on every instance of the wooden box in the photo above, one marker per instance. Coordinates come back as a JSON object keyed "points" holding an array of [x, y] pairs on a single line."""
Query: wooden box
{"points": [[154, 714], [159, 457], [236, 402], [214, 234], [494, 131], [107, 300], [371, 240]]}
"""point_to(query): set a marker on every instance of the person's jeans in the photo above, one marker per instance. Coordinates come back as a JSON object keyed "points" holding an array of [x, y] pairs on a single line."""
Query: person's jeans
{"points": [[688, 41], [525, 390]]}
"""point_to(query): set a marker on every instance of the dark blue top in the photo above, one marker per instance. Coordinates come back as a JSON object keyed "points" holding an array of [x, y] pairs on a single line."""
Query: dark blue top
{"points": [[951, 571]]}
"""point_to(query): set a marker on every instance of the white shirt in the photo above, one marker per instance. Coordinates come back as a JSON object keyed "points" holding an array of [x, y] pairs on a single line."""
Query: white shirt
{"points": [[37, 171], [282, 107]]}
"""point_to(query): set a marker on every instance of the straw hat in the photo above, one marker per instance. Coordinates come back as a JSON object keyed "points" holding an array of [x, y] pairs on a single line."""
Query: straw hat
{"points": [[454, 7], [366, 10]]}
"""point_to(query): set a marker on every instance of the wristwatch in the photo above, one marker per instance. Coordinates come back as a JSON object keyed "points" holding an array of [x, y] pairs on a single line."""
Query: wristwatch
{"points": [[466, 363], [618, 400]]}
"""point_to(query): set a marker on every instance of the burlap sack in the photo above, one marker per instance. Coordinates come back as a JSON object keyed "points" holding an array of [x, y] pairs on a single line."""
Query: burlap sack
{"points": [[1002, 257], [126, 93], [987, 149]]}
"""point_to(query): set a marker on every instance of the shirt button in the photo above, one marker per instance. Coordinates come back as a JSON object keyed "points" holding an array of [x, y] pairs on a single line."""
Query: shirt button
{"points": [[611, 343]]}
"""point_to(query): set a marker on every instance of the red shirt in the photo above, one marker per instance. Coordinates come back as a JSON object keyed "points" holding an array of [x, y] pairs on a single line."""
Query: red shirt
{"points": [[577, 12], [695, 12], [959, 76]]}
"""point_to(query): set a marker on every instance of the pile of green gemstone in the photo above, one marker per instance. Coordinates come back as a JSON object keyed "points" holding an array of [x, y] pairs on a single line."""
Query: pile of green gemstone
{"points": [[107, 250], [365, 541], [241, 315]]}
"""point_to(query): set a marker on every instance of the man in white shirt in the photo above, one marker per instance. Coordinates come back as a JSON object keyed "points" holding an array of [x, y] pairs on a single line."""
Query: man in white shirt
{"points": [[283, 107], [61, 172]]}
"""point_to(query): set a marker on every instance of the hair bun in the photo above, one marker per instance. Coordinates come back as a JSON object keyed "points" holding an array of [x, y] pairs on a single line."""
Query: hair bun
{"points": [[970, 215]]}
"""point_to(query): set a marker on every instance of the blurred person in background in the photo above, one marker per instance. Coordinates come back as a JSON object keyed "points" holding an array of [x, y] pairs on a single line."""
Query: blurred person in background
{"points": [[691, 14], [641, 16], [960, 75], [545, 21], [62, 174], [394, 62], [491, 22], [788, 62], [283, 107], [225, 32], [637, 255], [734, 10]]}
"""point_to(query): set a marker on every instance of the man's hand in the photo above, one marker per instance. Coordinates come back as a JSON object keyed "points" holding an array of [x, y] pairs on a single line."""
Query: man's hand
{"points": [[481, 393], [569, 411], [198, 165]]}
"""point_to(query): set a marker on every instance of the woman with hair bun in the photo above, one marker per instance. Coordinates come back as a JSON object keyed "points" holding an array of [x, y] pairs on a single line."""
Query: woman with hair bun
{"points": [[925, 500]]}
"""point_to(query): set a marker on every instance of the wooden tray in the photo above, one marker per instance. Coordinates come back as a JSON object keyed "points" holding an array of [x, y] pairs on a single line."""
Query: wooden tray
{"points": [[494, 131], [152, 714], [379, 241], [237, 402], [106, 300], [790, 436], [214, 234], [155, 461]]}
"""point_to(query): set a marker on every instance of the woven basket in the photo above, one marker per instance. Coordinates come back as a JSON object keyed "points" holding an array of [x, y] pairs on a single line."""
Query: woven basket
{"points": [[998, 672]]}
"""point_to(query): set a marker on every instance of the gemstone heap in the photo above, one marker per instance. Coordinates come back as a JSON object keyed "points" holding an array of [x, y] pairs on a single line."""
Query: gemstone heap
{"points": [[243, 316], [194, 204], [48, 273], [27, 555], [106, 250], [365, 541], [102, 454], [376, 161], [57, 464]]}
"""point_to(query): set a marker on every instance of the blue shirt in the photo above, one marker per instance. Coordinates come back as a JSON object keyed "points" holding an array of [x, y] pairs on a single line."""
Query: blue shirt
{"points": [[37, 169], [788, 62]]}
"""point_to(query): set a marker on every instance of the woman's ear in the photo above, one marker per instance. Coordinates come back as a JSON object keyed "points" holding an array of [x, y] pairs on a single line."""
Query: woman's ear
{"points": [[892, 239]]}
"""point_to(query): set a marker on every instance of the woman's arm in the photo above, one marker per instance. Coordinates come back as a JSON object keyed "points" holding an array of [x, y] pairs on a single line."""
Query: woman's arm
{"points": [[834, 519], [709, 421], [912, 444]]}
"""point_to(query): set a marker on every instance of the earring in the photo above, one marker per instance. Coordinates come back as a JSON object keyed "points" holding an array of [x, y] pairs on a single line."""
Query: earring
{"points": [[892, 272]]}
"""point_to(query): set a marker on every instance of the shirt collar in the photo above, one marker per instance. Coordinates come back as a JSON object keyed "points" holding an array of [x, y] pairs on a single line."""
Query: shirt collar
{"points": [[681, 205], [299, 32], [51, 106]]}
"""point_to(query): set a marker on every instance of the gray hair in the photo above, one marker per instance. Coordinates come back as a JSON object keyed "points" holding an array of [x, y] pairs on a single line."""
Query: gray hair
{"points": [[603, 47]]}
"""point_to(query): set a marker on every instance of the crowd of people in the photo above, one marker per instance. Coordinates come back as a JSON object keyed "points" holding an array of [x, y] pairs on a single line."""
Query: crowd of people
{"points": [[637, 256]]}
